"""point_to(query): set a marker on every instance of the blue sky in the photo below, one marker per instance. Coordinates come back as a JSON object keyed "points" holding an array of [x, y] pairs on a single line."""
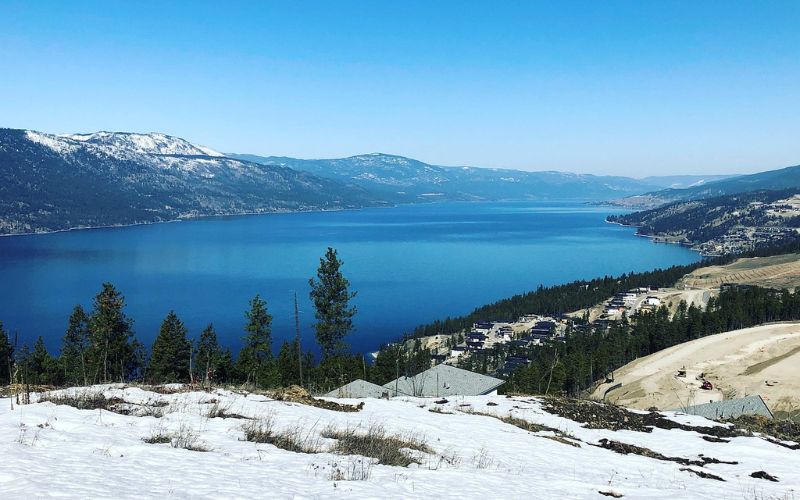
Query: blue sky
{"points": [[631, 88]]}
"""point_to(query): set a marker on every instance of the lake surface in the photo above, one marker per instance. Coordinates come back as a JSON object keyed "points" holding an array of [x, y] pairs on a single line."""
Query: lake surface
{"points": [[410, 265]]}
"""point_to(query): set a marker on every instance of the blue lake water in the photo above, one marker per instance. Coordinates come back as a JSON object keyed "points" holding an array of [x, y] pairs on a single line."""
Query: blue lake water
{"points": [[410, 264]]}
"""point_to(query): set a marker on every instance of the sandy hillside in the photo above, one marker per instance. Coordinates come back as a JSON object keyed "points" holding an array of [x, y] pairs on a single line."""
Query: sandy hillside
{"points": [[780, 271], [762, 360]]}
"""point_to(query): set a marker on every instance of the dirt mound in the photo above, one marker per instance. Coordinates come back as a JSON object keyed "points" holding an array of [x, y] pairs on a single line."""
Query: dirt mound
{"points": [[596, 415], [297, 394], [785, 430]]}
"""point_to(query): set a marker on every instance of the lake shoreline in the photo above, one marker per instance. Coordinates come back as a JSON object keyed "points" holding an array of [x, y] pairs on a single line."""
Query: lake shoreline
{"points": [[273, 212], [190, 219]]}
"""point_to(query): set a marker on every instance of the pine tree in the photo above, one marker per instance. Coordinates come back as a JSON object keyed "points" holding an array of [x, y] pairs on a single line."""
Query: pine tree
{"points": [[112, 353], [6, 356], [255, 361], [209, 355], [41, 364], [169, 361], [23, 365], [73, 348], [331, 297], [289, 362]]}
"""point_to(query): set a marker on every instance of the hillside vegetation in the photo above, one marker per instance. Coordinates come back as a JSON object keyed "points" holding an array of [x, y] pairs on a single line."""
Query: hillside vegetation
{"points": [[724, 224]]}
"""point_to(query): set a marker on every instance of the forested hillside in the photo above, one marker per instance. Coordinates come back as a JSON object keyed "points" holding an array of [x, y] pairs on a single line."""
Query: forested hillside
{"points": [[723, 224], [50, 182]]}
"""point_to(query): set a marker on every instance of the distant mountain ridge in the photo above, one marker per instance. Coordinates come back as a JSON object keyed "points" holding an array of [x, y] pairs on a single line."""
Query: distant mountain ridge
{"points": [[771, 180], [50, 182], [413, 180], [684, 181]]}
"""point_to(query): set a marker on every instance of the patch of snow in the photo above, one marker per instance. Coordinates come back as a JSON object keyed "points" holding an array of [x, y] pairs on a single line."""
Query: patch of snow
{"points": [[51, 449]]}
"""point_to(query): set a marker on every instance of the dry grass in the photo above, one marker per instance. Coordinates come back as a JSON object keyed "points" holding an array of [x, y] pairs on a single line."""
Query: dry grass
{"points": [[378, 444], [184, 437], [295, 439], [85, 400]]}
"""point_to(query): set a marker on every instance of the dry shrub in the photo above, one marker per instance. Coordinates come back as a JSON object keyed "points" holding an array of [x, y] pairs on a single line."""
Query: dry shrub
{"points": [[482, 459], [356, 469], [218, 410], [376, 443]]}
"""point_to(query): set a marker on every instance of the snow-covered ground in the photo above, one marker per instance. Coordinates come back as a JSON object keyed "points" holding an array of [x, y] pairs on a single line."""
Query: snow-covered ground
{"points": [[57, 450]]}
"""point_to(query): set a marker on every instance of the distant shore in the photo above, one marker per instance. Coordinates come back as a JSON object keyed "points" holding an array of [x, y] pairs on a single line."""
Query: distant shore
{"points": [[189, 219]]}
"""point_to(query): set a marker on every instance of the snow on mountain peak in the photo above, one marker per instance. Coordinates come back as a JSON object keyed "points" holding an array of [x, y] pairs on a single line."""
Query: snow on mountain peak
{"points": [[152, 143], [51, 141]]}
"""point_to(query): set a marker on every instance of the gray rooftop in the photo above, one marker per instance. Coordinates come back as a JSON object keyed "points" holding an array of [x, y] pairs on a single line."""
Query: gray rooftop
{"points": [[732, 408], [358, 389], [444, 380]]}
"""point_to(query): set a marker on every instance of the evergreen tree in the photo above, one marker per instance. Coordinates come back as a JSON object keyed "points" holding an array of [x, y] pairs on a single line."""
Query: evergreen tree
{"points": [[226, 371], [169, 361], [389, 364], [23, 365], [331, 297], [289, 359], [73, 348], [41, 365], [6, 356], [210, 356], [112, 352], [255, 361]]}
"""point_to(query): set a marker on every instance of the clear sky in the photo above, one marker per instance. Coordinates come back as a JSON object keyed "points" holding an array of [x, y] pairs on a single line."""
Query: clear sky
{"points": [[633, 88]]}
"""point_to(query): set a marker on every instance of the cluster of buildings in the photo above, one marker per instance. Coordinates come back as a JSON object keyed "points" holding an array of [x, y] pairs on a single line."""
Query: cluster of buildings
{"points": [[527, 331], [631, 302], [744, 238]]}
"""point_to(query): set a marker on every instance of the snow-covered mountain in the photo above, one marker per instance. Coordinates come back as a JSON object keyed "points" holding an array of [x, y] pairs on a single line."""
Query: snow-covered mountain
{"points": [[414, 180], [50, 182], [122, 143], [174, 441]]}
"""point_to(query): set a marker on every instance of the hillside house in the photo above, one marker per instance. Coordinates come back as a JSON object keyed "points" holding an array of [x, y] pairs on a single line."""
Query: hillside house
{"points": [[482, 327], [457, 351], [652, 301], [358, 389], [444, 380]]}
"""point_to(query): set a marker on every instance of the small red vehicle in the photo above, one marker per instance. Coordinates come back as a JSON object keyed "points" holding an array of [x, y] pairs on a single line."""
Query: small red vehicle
{"points": [[706, 385]]}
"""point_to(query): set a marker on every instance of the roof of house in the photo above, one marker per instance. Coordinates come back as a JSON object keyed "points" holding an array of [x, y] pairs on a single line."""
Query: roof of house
{"points": [[358, 389], [732, 408], [444, 380]]}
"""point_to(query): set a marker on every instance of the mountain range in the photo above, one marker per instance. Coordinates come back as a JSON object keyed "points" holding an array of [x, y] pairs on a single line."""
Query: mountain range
{"points": [[50, 182], [409, 180], [53, 182]]}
